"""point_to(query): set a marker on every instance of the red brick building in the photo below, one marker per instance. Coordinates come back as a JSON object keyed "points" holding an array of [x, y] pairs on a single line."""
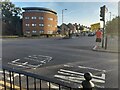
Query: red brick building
{"points": [[37, 21]]}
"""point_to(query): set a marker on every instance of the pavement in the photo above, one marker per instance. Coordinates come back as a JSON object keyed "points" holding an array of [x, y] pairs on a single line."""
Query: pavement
{"points": [[112, 45], [100, 49]]}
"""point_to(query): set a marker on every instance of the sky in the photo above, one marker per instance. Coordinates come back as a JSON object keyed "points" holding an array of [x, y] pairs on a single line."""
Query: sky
{"points": [[84, 13]]}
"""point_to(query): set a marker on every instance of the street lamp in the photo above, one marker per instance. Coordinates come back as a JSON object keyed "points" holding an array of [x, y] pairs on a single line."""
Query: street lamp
{"points": [[110, 16], [62, 14], [62, 19]]}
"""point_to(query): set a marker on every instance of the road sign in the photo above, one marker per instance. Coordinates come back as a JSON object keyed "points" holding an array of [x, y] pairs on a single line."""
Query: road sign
{"points": [[95, 26]]}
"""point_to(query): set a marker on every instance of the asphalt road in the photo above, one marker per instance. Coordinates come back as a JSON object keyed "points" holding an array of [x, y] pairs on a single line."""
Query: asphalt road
{"points": [[64, 59]]}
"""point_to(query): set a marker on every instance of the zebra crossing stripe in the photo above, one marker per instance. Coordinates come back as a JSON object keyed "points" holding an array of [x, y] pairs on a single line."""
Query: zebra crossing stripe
{"points": [[78, 79], [82, 74], [92, 68], [67, 78]]}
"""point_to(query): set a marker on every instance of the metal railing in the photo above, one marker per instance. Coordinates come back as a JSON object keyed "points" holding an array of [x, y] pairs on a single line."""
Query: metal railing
{"points": [[21, 80]]}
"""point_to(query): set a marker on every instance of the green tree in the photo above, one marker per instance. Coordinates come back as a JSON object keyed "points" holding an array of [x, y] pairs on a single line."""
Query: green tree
{"points": [[81, 27], [11, 21], [112, 26]]}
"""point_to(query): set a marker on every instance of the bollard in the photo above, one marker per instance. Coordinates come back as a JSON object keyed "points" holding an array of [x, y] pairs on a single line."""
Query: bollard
{"points": [[87, 83]]}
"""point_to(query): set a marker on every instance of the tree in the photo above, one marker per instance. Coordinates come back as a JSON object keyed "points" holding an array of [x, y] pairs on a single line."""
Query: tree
{"points": [[11, 21], [81, 28], [112, 26]]}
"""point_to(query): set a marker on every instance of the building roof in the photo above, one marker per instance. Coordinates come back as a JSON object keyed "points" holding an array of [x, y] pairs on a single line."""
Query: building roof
{"points": [[39, 8]]}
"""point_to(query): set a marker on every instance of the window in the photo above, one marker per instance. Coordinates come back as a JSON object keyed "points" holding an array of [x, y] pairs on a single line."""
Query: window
{"points": [[33, 25], [33, 17], [41, 18], [50, 19], [27, 31], [41, 31], [41, 25], [26, 17], [49, 25], [34, 31], [49, 32], [27, 25]]}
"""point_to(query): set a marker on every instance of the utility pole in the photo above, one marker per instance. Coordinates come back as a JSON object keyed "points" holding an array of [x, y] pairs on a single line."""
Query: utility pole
{"points": [[110, 16], [62, 19], [62, 16]]}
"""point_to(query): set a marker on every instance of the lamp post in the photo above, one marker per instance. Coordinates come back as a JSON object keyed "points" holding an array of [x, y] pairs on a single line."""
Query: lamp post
{"points": [[62, 20], [110, 16], [62, 14]]}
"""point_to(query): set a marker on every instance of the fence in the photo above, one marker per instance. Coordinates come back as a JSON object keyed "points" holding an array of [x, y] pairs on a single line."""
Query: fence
{"points": [[30, 81]]}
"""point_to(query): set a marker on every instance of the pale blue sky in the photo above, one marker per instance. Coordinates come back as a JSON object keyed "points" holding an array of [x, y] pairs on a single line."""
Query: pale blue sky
{"points": [[85, 13]]}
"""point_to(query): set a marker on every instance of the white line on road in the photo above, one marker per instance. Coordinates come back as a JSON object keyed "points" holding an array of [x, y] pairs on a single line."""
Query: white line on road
{"points": [[73, 72], [92, 68], [24, 63], [15, 60], [28, 64], [83, 67], [78, 79]]}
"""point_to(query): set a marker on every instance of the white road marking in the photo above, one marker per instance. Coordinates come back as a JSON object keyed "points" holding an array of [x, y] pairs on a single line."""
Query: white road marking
{"points": [[18, 65], [29, 56], [15, 60], [67, 65], [42, 61], [102, 77], [92, 68], [34, 58], [78, 79], [26, 66], [24, 63], [86, 68], [67, 78], [67, 75]]}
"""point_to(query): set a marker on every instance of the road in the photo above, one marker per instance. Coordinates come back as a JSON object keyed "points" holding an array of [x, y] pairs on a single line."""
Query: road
{"points": [[68, 57]]}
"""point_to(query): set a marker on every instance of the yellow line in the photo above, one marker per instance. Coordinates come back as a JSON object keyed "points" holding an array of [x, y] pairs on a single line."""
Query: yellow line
{"points": [[8, 84]]}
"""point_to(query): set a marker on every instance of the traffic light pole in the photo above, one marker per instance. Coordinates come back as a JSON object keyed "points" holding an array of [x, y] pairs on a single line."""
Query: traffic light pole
{"points": [[103, 35], [102, 15]]}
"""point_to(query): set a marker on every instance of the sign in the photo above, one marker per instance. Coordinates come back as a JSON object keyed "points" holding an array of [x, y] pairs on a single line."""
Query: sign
{"points": [[95, 27]]}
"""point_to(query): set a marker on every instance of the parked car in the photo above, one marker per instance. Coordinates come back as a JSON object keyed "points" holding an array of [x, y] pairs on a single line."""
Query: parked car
{"points": [[91, 34]]}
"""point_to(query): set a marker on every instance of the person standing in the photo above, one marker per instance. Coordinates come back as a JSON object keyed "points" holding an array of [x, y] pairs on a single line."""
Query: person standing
{"points": [[98, 38]]}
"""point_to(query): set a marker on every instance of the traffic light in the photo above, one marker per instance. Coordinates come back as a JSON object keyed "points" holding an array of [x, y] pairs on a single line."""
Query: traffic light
{"points": [[102, 13]]}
